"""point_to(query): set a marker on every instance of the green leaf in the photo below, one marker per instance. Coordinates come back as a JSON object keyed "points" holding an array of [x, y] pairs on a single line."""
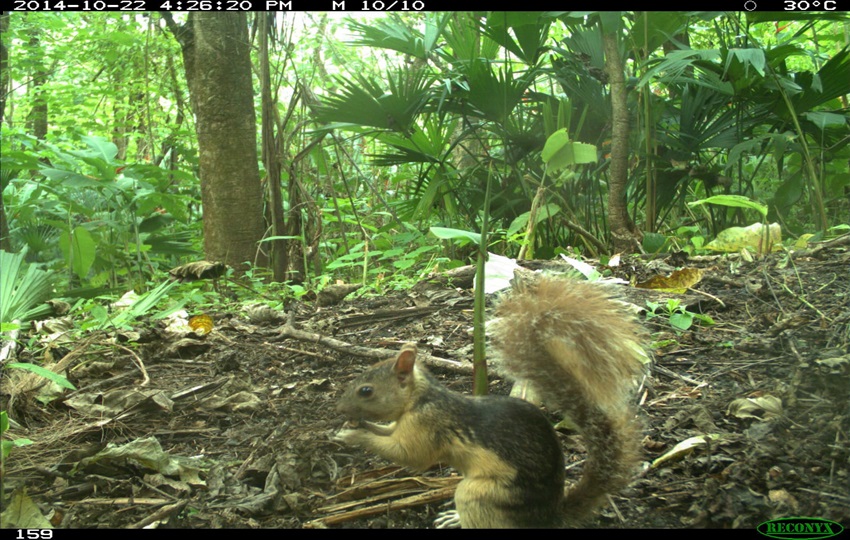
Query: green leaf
{"points": [[653, 242], [404, 264], [737, 201], [363, 101], [79, 250], [105, 150], [44, 372], [530, 29], [653, 28], [559, 152], [747, 57], [825, 120], [395, 34], [681, 321], [456, 234], [70, 179], [610, 21], [833, 80], [520, 223], [147, 301], [704, 320]]}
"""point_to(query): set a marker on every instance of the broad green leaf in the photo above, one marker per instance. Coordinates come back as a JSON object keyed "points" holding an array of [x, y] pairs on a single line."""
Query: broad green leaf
{"points": [[105, 150], [823, 119], [79, 250], [71, 179], [543, 213], [681, 321], [445, 233], [554, 144], [737, 201], [559, 152]]}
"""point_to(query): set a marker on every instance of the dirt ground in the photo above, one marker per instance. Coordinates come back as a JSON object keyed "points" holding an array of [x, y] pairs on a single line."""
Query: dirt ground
{"points": [[234, 429]]}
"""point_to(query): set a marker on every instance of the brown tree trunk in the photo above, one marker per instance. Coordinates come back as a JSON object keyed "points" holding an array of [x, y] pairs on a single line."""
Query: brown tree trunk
{"points": [[216, 56], [624, 236], [38, 114], [271, 153]]}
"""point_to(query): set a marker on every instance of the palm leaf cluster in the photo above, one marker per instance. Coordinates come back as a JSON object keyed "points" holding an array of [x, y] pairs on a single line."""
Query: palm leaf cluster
{"points": [[481, 92]]}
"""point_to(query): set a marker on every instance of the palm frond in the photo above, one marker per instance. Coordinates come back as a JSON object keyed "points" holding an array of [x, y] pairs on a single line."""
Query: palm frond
{"points": [[363, 102], [524, 34], [23, 289], [830, 82], [394, 34]]}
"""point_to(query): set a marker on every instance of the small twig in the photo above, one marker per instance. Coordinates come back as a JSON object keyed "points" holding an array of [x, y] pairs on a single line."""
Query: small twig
{"points": [[800, 298], [149, 501], [301, 351], [162, 513], [716, 299], [825, 494], [138, 362], [672, 374]]}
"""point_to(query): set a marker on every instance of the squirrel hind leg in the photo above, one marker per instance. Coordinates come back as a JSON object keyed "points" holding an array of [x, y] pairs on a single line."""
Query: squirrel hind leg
{"points": [[491, 504]]}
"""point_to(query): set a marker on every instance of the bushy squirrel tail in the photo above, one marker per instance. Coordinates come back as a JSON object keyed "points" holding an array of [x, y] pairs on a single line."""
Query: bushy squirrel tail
{"points": [[580, 351]]}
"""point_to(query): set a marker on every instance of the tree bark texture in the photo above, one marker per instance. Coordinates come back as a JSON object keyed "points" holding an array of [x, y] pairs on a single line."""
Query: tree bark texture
{"points": [[216, 56], [624, 236]]}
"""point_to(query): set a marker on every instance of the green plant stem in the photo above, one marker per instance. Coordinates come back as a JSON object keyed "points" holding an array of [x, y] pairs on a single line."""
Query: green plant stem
{"points": [[479, 351], [820, 210], [527, 249]]}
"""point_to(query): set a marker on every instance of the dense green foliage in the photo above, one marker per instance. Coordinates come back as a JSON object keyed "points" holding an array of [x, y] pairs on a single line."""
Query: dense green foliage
{"points": [[404, 124]]}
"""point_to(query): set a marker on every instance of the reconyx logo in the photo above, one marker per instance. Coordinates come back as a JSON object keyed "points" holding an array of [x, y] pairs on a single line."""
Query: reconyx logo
{"points": [[800, 528]]}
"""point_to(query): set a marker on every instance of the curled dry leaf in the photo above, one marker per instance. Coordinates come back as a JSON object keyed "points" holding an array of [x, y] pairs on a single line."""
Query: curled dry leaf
{"points": [[759, 407]]}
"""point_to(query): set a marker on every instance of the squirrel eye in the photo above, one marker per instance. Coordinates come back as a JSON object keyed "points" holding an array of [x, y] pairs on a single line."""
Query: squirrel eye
{"points": [[365, 391]]}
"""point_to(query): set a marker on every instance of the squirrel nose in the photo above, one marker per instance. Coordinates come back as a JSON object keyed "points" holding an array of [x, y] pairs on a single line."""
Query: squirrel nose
{"points": [[341, 409]]}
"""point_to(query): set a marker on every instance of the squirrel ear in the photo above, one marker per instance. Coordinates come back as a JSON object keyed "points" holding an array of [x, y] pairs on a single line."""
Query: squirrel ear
{"points": [[405, 362]]}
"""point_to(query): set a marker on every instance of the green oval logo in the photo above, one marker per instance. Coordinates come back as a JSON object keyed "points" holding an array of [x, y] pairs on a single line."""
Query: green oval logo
{"points": [[799, 528]]}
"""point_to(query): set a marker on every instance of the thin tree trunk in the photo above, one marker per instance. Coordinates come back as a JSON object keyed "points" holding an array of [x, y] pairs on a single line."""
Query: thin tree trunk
{"points": [[624, 237], [5, 244], [38, 114], [271, 153]]}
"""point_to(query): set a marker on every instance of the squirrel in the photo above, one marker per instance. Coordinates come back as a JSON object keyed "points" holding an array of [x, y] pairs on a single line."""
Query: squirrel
{"points": [[577, 348]]}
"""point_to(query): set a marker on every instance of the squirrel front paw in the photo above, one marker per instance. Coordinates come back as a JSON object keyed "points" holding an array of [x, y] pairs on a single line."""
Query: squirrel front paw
{"points": [[363, 428], [447, 520], [348, 436]]}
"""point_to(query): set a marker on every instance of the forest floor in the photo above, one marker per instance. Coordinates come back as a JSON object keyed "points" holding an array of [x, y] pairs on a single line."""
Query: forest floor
{"points": [[235, 429]]}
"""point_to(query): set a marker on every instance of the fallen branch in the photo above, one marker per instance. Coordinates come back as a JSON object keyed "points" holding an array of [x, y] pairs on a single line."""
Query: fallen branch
{"points": [[288, 331]]}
